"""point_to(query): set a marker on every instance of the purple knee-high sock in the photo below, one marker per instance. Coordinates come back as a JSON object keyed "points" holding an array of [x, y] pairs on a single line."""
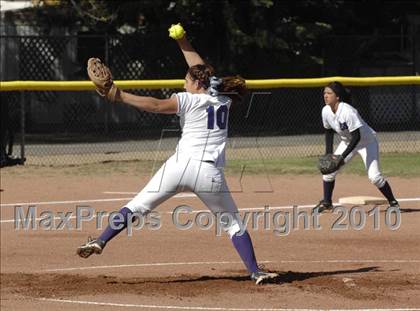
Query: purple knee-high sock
{"points": [[243, 245], [109, 232], [328, 190]]}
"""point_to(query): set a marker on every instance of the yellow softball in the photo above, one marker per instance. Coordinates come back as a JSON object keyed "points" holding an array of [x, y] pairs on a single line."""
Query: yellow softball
{"points": [[176, 31]]}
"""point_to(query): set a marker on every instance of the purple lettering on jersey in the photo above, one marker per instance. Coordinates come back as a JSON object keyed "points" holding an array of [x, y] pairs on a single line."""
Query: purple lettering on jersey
{"points": [[343, 126]]}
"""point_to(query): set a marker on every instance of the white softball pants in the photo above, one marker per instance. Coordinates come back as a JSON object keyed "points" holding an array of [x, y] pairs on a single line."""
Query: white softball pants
{"points": [[203, 178], [370, 155]]}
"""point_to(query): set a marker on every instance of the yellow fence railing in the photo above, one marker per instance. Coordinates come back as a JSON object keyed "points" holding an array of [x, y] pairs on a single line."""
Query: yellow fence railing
{"points": [[178, 83]]}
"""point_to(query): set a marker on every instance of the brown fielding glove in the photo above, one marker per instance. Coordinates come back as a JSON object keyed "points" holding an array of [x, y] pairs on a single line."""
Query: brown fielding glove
{"points": [[329, 163], [101, 76]]}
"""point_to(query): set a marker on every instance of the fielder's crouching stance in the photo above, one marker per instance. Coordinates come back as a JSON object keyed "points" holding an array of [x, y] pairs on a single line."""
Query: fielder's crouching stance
{"points": [[356, 137], [198, 162]]}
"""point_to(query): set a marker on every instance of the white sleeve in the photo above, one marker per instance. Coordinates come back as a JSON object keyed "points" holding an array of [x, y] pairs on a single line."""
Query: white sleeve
{"points": [[184, 101], [325, 119], [353, 120]]}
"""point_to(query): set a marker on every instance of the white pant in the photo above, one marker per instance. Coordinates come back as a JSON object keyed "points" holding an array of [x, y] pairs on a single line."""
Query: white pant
{"points": [[370, 155], [202, 178]]}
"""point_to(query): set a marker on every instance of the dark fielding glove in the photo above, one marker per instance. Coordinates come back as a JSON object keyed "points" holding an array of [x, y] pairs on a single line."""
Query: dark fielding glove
{"points": [[330, 163]]}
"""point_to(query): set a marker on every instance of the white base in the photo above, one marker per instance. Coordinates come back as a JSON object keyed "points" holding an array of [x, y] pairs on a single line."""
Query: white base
{"points": [[362, 200]]}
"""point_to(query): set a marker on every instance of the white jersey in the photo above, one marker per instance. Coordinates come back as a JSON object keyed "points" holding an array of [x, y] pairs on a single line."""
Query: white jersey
{"points": [[204, 125], [346, 120]]}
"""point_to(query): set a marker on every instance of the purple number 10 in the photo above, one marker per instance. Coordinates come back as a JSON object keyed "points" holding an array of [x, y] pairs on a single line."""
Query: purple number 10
{"points": [[221, 117]]}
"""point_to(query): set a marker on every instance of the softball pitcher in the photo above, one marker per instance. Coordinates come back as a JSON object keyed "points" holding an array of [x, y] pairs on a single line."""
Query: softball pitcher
{"points": [[356, 138], [198, 162]]}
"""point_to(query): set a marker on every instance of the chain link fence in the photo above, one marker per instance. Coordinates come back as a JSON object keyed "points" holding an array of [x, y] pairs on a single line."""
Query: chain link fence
{"points": [[61, 128]]}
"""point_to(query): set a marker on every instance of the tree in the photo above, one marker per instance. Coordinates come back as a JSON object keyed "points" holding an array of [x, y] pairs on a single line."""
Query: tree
{"points": [[268, 37]]}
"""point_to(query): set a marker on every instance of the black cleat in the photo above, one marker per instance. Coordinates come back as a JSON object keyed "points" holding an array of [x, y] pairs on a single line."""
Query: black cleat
{"points": [[394, 203], [323, 206], [261, 277], [93, 246]]}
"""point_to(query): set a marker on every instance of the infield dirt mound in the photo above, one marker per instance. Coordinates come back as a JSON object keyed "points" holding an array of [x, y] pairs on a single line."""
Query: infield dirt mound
{"points": [[369, 283]]}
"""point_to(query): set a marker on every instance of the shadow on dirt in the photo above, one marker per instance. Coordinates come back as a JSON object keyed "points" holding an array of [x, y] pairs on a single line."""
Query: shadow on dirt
{"points": [[284, 277]]}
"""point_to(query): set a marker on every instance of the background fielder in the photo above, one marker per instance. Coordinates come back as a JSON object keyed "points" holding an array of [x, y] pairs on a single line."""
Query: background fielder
{"points": [[357, 137]]}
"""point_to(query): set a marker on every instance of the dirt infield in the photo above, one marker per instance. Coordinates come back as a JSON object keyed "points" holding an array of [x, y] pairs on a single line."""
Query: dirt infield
{"points": [[193, 269]]}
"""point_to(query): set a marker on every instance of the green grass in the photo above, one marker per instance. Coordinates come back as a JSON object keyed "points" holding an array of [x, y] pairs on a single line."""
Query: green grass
{"points": [[395, 164]]}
